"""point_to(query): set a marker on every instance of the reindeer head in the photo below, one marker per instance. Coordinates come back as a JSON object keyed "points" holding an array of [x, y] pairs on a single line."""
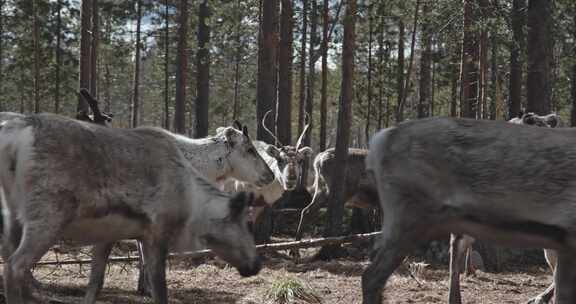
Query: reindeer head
{"points": [[230, 238], [288, 158], [548, 121], [246, 164], [98, 117]]}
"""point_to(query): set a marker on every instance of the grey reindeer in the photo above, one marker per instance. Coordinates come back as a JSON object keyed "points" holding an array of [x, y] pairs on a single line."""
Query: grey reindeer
{"points": [[67, 179], [508, 184]]}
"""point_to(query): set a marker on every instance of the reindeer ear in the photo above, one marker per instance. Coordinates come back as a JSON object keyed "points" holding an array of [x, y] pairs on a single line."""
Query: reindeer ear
{"points": [[552, 120], [238, 203], [245, 132], [237, 125], [273, 151], [305, 152]]}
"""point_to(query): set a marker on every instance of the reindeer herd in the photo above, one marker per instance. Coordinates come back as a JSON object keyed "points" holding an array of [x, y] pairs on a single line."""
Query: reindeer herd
{"points": [[91, 184]]}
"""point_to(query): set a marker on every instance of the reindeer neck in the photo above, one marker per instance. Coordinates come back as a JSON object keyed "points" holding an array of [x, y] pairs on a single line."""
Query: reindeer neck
{"points": [[208, 155]]}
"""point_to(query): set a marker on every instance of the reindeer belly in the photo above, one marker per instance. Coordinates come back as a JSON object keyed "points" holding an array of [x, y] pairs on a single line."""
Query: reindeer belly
{"points": [[104, 229]]}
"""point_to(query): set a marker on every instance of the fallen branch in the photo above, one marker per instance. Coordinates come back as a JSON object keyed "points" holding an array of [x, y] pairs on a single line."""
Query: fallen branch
{"points": [[208, 253]]}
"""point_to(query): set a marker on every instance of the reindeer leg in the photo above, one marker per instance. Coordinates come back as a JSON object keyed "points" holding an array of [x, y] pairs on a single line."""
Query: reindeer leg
{"points": [[546, 295], [37, 238], [100, 254], [459, 245], [143, 284], [565, 278], [155, 253]]}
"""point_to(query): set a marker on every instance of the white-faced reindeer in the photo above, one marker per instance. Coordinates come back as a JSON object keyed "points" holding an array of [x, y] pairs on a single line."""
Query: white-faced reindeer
{"points": [[286, 164], [106, 185], [508, 184], [356, 180], [460, 245]]}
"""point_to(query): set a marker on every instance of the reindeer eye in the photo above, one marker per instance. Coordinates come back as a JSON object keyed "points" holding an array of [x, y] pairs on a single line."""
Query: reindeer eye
{"points": [[251, 150]]}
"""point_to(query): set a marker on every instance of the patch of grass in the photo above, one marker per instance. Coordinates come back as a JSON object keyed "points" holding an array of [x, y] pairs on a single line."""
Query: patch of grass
{"points": [[291, 290]]}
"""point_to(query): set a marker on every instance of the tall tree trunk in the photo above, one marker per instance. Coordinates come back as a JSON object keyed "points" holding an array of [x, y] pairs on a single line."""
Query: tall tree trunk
{"points": [[367, 132], [84, 81], [284, 109], [135, 117], [2, 102], [573, 116], [518, 21], [166, 123], [107, 72], [324, 89], [203, 74], [539, 56], [483, 61], [400, 72], [302, 103], [238, 58], [336, 208], [408, 77], [266, 92], [36, 57], [454, 77], [494, 76], [58, 55], [425, 65], [181, 65], [469, 67], [380, 70], [94, 50]]}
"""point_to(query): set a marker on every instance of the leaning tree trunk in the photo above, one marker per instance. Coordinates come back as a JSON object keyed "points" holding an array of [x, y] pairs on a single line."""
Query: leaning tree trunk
{"points": [[166, 121], [135, 117], [469, 66], [539, 86], [203, 75], [36, 57], [425, 65], [408, 77], [58, 55], [94, 50], [324, 86], [84, 81], [284, 108], [400, 72], [336, 208], [181, 64], [266, 91], [516, 62]]}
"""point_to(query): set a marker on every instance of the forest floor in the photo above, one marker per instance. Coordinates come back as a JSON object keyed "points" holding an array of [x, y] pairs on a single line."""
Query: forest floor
{"points": [[336, 281]]}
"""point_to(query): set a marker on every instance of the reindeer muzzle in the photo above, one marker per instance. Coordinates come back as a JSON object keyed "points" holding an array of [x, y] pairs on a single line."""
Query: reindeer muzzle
{"points": [[248, 271]]}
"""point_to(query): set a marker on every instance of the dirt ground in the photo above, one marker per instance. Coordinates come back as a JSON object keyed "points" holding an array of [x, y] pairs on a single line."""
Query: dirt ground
{"points": [[334, 282]]}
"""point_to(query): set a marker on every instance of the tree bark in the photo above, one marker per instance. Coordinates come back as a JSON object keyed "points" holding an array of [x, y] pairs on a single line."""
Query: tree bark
{"points": [[302, 99], [36, 43], [324, 89], [84, 81], [367, 131], [284, 109], [58, 55], [336, 209], [408, 77], [573, 114], [203, 74], [494, 76], [469, 63], [238, 59], [539, 87], [166, 121], [518, 21], [94, 50], [181, 65], [135, 117], [425, 65], [400, 72]]}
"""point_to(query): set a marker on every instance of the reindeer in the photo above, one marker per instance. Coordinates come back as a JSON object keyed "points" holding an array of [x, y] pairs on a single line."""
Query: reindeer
{"points": [[508, 184], [460, 245], [285, 161], [98, 117], [123, 184], [356, 179]]}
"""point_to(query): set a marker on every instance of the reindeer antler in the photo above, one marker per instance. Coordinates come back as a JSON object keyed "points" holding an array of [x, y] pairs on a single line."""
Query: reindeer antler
{"points": [[99, 117], [267, 130], [303, 135]]}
